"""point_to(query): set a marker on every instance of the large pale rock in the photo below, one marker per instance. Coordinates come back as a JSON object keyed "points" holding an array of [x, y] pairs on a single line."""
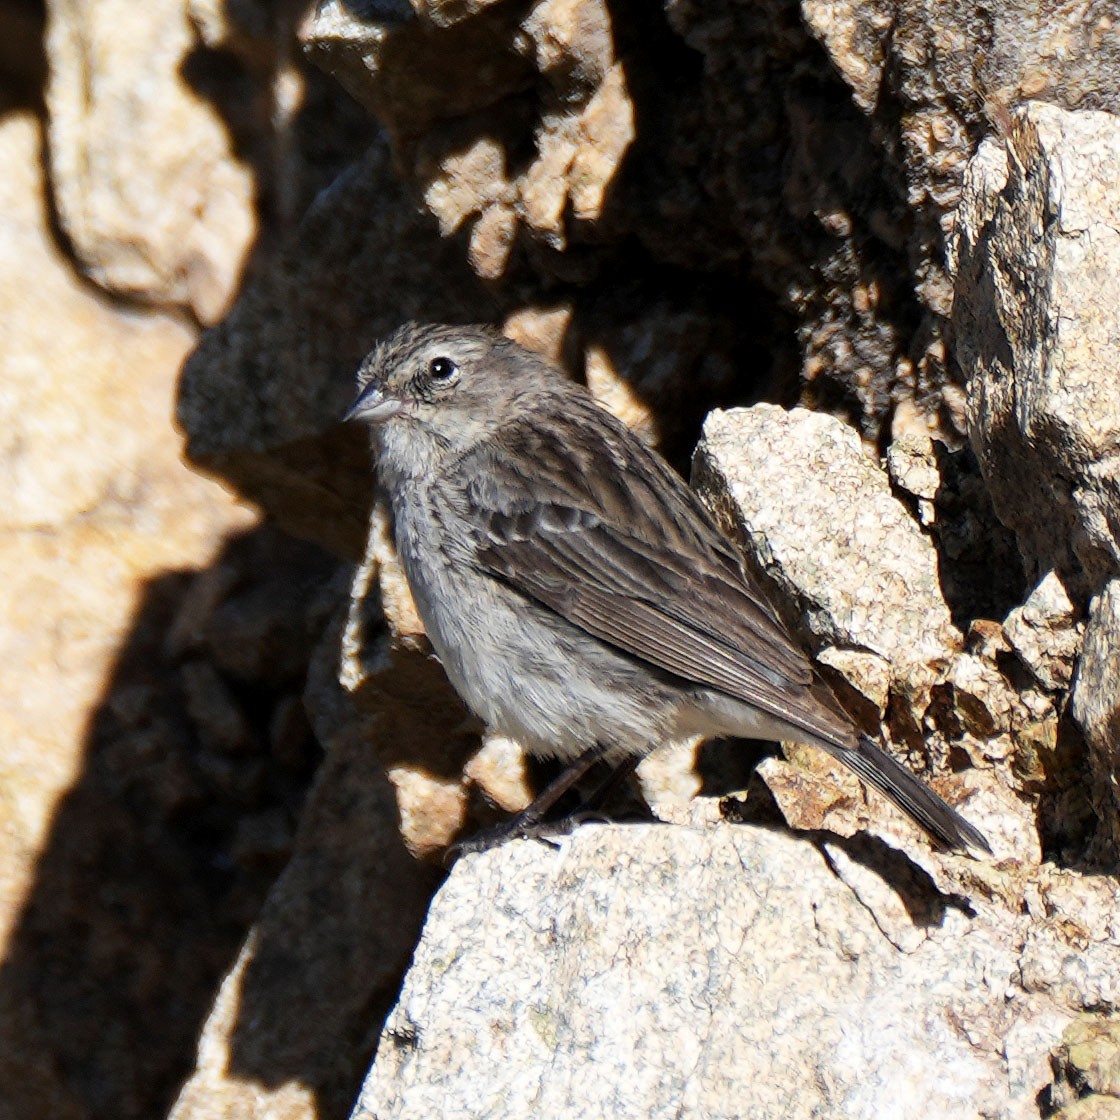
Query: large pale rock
{"points": [[650, 971], [1035, 324], [146, 179], [1045, 633], [98, 507], [852, 569], [820, 521]]}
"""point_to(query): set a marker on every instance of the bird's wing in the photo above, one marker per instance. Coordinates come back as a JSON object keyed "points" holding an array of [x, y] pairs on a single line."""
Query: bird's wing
{"points": [[607, 535]]}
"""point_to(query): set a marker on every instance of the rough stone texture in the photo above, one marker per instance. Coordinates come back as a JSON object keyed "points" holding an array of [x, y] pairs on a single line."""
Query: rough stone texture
{"points": [[932, 78], [389, 672], [1088, 1065], [819, 148], [819, 524], [537, 143], [685, 966], [1036, 326], [1045, 633], [144, 178], [296, 1019], [685, 205], [184, 138], [1096, 704], [848, 554], [107, 906]]}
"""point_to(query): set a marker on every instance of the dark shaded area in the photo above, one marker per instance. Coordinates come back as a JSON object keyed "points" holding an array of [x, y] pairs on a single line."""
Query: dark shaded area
{"points": [[1069, 828], [727, 766], [925, 904], [981, 571], [752, 165], [294, 155], [334, 938], [161, 853], [23, 62]]}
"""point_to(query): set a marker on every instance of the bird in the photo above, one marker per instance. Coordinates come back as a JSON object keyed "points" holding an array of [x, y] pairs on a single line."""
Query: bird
{"points": [[580, 596]]}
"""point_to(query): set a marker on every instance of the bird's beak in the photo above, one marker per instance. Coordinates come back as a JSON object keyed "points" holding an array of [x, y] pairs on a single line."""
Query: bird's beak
{"points": [[374, 405]]}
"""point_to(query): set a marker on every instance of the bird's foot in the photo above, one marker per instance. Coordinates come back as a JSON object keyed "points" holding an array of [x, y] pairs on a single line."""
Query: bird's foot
{"points": [[524, 826]]}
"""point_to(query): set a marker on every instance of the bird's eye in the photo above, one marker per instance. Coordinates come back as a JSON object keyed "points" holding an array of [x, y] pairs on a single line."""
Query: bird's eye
{"points": [[443, 370]]}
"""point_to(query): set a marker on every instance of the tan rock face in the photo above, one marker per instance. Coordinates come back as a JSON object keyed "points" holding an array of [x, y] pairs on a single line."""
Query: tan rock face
{"points": [[851, 555], [144, 175], [98, 508], [1096, 704], [97, 496], [1037, 236]]}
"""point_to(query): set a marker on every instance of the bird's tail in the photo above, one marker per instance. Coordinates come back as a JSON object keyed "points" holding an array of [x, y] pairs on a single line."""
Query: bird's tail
{"points": [[911, 795]]}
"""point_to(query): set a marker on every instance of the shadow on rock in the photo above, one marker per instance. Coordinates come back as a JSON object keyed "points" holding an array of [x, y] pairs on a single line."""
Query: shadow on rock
{"points": [[197, 762]]}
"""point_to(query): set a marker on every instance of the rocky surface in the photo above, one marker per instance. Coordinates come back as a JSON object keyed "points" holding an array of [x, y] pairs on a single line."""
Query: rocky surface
{"points": [[1096, 705], [1039, 358], [104, 897], [146, 187], [684, 966], [297, 1017], [900, 215], [156, 637]]}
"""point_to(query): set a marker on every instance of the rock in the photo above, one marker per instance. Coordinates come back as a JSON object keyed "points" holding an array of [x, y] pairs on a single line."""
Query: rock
{"points": [[103, 913], [1046, 633], [426, 737], [221, 723], [392, 59], [1096, 706], [1036, 239], [143, 169], [1093, 1107], [262, 634], [640, 946], [851, 566], [1089, 1056], [583, 131], [23, 65], [297, 1017], [289, 734], [912, 466], [499, 770], [838, 544]]}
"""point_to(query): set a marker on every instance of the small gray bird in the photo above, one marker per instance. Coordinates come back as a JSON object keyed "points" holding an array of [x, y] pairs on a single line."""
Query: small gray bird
{"points": [[577, 592]]}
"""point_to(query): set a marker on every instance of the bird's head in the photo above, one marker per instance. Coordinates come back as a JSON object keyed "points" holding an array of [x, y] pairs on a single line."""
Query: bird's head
{"points": [[431, 390]]}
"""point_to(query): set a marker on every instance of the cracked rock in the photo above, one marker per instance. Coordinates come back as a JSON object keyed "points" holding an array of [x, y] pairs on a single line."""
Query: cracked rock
{"points": [[1038, 236], [643, 947], [1096, 705]]}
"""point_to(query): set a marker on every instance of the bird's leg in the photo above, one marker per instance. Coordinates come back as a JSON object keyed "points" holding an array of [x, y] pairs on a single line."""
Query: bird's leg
{"points": [[528, 823]]}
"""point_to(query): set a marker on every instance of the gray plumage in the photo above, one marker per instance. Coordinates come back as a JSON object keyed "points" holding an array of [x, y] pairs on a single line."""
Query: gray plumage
{"points": [[575, 589]]}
